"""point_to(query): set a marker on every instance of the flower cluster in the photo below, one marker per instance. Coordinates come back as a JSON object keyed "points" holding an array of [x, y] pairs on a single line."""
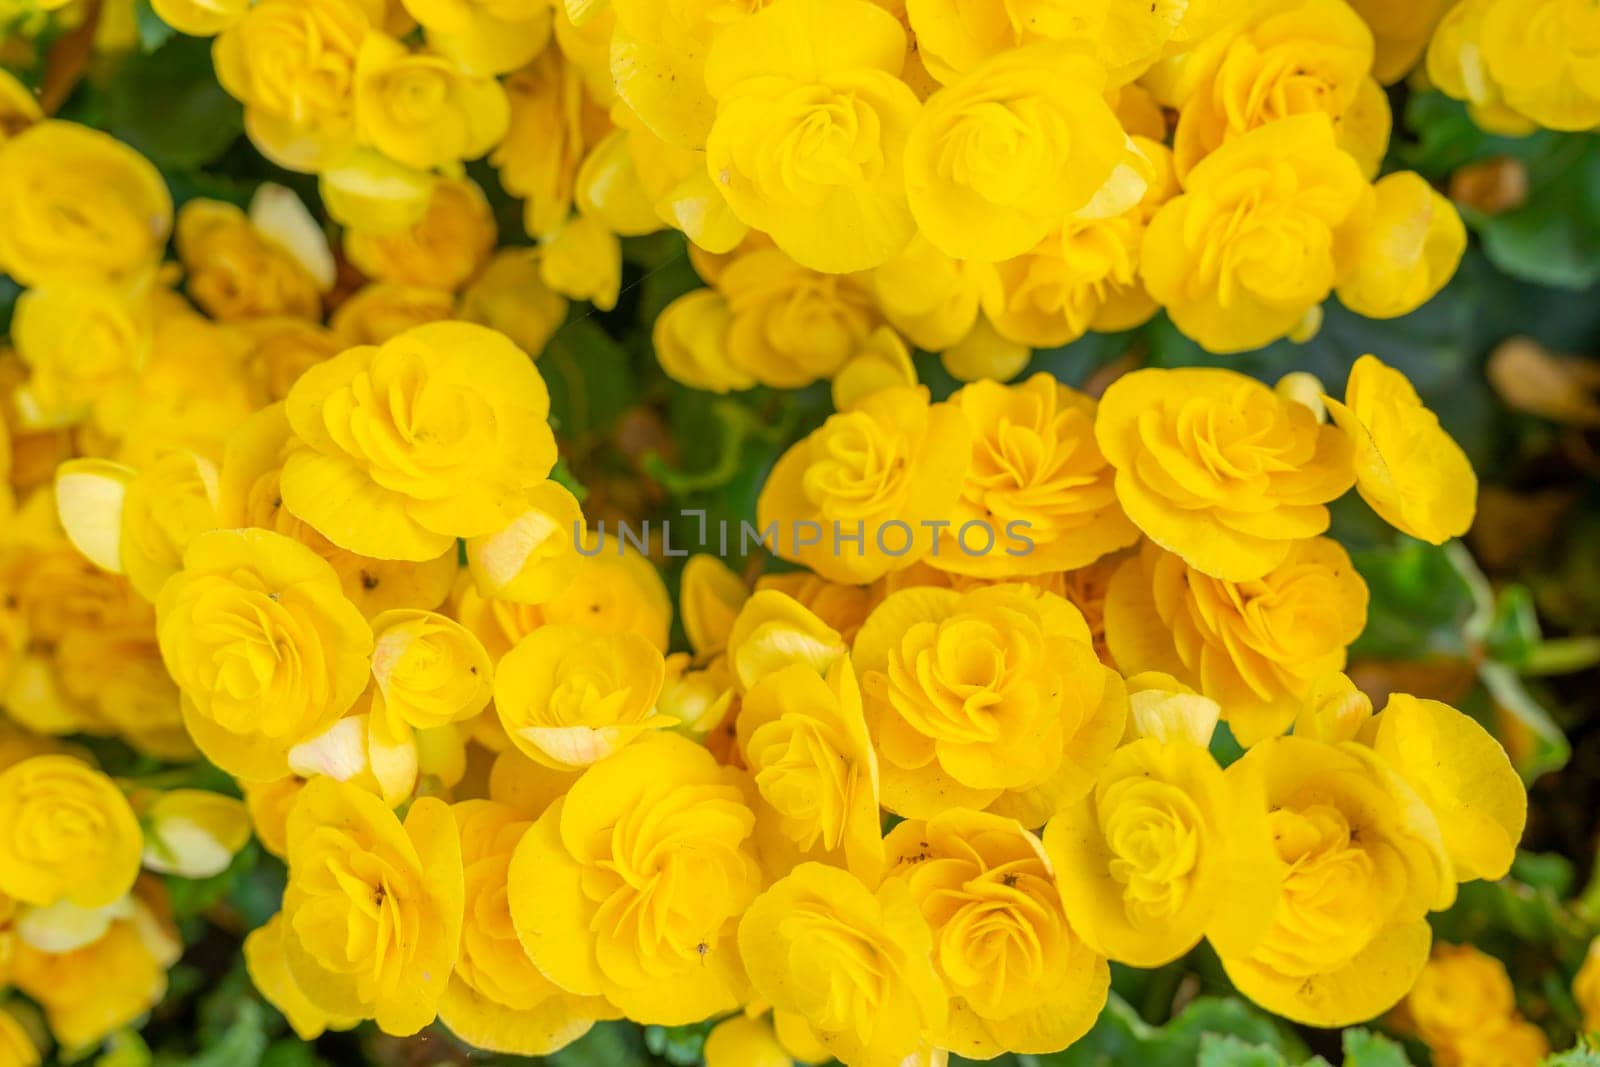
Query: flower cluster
{"points": [[982, 181], [295, 510], [85, 928], [987, 180]]}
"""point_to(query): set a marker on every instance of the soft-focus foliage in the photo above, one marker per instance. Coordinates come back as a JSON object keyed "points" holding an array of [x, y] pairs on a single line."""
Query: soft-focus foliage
{"points": [[896, 532]]}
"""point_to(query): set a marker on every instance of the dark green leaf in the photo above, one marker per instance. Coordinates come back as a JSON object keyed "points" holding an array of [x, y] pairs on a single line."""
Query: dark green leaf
{"points": [[681, 1045], [153, 31], [590, 379], [1554, 238], [168, 105]]}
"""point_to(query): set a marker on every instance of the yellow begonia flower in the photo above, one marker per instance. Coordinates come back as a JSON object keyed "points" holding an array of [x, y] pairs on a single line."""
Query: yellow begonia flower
{"points": [[440, 433], [804, 740], [281, 350], [774, 630], [1036, 474], [614, 590], [841, 606], [855, 964], [1540, 55], [422, 110], [811, 129], [791, 325], [165, 506], [373, 910], [1586, 987], [1001, 157], [882, 362], [192, 833], [497, 999], [930, 297], [1085, 273], [265, 647], [268, 966], [1217, 469], [79, 644], [384, 310], [1464, 776], [1361, 866], [538, 159], [18, 1047], [1408, 468], [76, 205], [535, 558], [630, 885], [69, 834], [1165, 850], [237, 272], [1335, 710], [83, 343], [582, 260], [710, 595], [1411, 249], [1267, 225], [1019, 976], [1163, 708], [430, 670], [92, 991], [984, 354], [657, 56], [740, 1041], [678, 189], [1256, 647], [366, 190], [863, 495], [987, 699], [200, 18], [19, 108], [569, 698], [511, 297], [269, 804], [1305, 56], [690, 338], [292, 63], [955, 35], [611, 190], [1461, 997], [443, 251], [484, 37], [250, 494], [1400, 33]]}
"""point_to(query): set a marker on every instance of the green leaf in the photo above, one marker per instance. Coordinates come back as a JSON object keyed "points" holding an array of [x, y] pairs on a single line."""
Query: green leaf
{"points": [[681, 1045], [153, 31], [1363, 1048], [9, 291], [1513, 629], [1120, 1036], [1445, 139], [1586, 1055], [590, 378], [609, 1044], [1550, 749], [1225, 1050], [1420, 602], [167, 105], [191, 896], [1554, 238]]}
